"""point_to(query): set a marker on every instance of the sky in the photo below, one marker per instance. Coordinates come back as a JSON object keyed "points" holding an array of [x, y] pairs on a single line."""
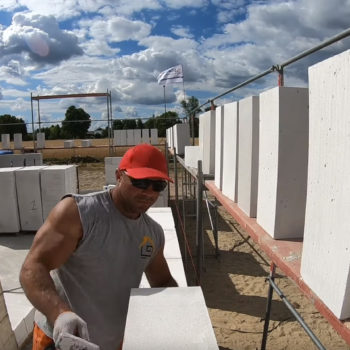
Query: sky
{"points": [[85, 46]]}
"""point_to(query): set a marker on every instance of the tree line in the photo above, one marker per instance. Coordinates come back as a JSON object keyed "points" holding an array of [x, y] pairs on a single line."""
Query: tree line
{"points": [[77, 123]]}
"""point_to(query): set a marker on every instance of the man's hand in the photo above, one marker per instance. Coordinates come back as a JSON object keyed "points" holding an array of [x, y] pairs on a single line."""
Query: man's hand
{"points": [[71, 323], [67, 341]]}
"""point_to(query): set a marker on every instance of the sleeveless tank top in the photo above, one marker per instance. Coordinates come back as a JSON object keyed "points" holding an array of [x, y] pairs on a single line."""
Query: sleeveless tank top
{"points": [[109, 260]]}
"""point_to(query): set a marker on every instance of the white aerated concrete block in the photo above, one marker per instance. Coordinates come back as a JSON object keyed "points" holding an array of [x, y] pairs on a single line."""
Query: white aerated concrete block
{"points": [[86, 143], [283, 154], [17, 138], [181, 137], [248, 155], [207, 141], [123, 136], [33, 159], [111, 165], [168, 318], [130, 137], [9, 216], [137, 136], [117, 138], [145, 136], [230, 151], [154, 136], [5, 141], [68, 143], [163, 216], [326, 249], [20, 160], [28, 188], [40, 139], [56, 181], [169, 137], [192, 155], [219, 145]]}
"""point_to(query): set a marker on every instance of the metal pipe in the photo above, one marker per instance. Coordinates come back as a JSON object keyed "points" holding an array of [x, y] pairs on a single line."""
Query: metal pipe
{"points": [[33, 131], [199, 223]]}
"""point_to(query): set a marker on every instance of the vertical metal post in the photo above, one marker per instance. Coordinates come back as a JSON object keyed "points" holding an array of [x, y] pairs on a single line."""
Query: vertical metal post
{"points": [[199, 223], [176, 178], [33, 132], [280, 76], [192, 121], [268, 307], [39, 116]]}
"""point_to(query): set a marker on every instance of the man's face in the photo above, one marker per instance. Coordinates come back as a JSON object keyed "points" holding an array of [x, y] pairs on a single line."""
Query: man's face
{"points": [[136, 199]]}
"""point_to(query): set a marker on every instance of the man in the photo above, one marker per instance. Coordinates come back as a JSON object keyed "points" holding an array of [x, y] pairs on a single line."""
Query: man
{"points": [[92, 250]]}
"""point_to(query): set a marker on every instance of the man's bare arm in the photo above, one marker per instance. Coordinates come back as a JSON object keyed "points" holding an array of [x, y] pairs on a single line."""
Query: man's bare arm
{"points": [[157, 272], [54, 242]]}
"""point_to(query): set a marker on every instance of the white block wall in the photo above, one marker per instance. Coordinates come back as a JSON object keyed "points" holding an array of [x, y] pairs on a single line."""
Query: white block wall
{"points": [[130, 137], [248, 155], [230, 151], [117, 137], [326, 249], [5, 141], [40, 139], [154, 136], [20, 160], [145, 136], [137, 136], [68, 143], [283, 153], [111, 165], [192, 155], [219, 145], [17, 138], [29, 197], [86, 143], [181, 137], [207, 141], [9, 216], [56, 181]]}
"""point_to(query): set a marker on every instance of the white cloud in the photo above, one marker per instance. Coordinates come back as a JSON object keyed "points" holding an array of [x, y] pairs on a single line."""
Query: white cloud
{"points": [[181, 31]]}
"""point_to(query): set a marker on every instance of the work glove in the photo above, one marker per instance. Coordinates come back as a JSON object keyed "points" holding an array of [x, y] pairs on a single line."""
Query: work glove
{"points": [[71, 323], [67, 341]]}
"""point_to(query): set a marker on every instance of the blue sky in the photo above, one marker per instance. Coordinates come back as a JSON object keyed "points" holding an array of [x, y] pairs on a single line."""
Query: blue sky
{"points": [[83, 46]]}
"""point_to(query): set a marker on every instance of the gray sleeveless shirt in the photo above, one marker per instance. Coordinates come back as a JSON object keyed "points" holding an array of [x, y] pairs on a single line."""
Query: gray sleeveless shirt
{"points": [[110, 259]]}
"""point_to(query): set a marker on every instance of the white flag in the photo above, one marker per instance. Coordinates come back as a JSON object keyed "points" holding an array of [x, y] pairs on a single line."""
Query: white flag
{"points": [[171, 75]]}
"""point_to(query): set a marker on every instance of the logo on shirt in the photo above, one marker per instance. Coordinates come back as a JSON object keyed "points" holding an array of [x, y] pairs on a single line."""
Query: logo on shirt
{"points": [[146, 247]]}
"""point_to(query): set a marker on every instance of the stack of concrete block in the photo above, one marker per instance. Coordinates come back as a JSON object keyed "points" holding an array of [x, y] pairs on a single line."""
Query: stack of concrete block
{"points": [[86, 143], [130, 141], [20, 160], [68, 143], [283, 157], [154, 136], [7, 336], [230, 151], [56, 181], [111, 165], [186, 325], [207, 141], [219, 145], [192, 156], [248, 155], [5, 141], [169, 137], [40, 139], [145, 136], [119, 138], [326, 249], [137, 136], [17, 138], [9, 216], [29, 197], [181, 137]]}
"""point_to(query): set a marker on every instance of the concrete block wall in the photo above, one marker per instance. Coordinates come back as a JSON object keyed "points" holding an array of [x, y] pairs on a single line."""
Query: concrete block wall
{"points": [[20, 160], [130, 137], [56, 181], [111, 165], [68, 143], [230, 151], [137, 136], [283, 156], [5, 141], [192, 155], [9, 215], [170, 137], [154, 136], [7, 336], [325, 258], [207, 141], [86, 143], [248, 155], [181, 134], [145, 136], [117, 137], [219, 145], [17, 139]]}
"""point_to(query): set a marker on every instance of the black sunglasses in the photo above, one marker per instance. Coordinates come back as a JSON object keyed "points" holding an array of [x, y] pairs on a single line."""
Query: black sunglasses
{"points": [[143, 184]]}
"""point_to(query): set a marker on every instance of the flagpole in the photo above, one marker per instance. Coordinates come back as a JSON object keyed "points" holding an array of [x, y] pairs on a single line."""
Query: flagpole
{"points": [[164, 99]]}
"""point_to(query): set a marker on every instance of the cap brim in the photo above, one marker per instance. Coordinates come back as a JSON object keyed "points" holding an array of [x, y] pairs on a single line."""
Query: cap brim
{"points": [[144, 173]]}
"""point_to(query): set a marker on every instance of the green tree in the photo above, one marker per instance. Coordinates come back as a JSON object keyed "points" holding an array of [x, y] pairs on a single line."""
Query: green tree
{"points": [[10, 124], [165, 121], [188, 106], [129, 124], [139, 124], [118, 124], [76, 123]]}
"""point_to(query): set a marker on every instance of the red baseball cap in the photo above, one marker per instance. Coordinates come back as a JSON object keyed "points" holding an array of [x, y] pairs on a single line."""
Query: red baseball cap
{"points": [[145, 161]]}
